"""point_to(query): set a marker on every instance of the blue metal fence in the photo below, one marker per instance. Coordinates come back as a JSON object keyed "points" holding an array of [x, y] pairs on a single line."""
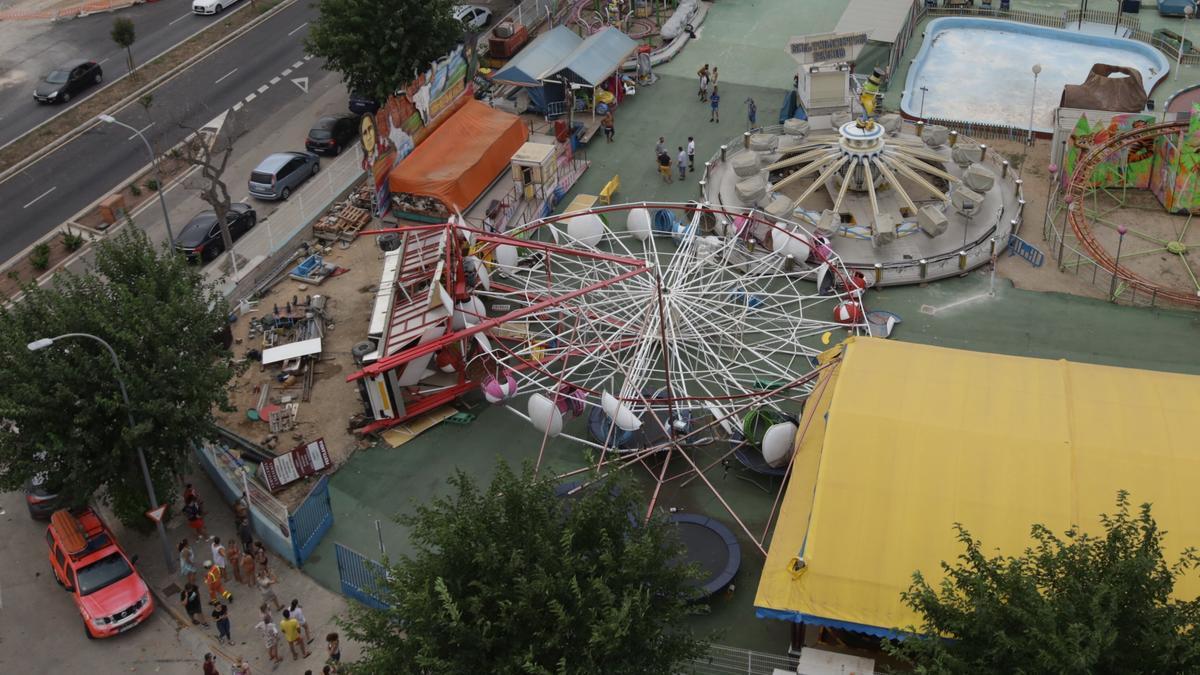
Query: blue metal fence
{"points": [[311, 520], [361, 577]]}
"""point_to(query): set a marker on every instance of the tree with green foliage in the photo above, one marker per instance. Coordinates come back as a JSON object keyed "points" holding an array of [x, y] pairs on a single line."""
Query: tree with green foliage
{"points": [[379, 45], [63, 407], [513, 579], [1072, 604], [124, 35]]}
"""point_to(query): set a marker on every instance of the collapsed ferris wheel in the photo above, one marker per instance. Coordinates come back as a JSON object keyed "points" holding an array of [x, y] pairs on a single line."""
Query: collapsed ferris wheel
{"points": [[668, 333]]}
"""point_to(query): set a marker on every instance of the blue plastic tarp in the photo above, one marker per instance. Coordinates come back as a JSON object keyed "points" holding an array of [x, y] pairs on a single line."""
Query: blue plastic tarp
{"points": [[539, 58]]}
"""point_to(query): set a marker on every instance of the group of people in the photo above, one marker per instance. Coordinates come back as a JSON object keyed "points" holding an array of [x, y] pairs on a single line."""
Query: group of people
{"points": [[709, 79], [684, 159], [247, 563]]}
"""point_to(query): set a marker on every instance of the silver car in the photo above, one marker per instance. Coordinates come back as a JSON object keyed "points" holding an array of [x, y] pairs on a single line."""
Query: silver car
{"points": [[279, 174]]}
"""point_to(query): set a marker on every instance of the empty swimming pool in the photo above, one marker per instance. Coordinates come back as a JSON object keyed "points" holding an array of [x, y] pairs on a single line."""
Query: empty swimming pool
{"points": [[980, 70]]}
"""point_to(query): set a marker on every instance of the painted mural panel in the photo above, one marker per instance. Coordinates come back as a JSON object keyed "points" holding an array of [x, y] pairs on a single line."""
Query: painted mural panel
{"points": [[1127, 167]]}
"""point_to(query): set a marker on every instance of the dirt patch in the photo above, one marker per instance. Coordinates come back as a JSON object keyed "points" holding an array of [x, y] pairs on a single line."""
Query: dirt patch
{"points": [[118, 91], [333, 401], [26, 269]]}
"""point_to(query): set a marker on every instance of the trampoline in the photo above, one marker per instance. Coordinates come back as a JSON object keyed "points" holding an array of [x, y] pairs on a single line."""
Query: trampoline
{"points": [[712, 546]]}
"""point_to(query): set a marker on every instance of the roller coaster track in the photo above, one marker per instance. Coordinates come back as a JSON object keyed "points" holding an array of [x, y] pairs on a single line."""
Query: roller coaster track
{"points": [[1076, 191]]}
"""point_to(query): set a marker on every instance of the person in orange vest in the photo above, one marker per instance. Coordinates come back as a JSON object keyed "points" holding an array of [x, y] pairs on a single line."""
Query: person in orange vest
{"points": [[216, 584]]}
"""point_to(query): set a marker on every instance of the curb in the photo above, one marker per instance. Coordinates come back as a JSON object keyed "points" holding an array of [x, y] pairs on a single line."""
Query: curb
{"points": [[186, 627], [78, 131]]}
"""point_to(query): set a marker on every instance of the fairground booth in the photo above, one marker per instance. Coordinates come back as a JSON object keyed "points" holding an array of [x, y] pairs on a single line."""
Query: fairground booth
{"points": [[899, 441]]}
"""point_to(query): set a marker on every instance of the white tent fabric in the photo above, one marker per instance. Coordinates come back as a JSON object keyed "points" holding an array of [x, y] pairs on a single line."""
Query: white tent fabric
{"points": [[881, 20]]}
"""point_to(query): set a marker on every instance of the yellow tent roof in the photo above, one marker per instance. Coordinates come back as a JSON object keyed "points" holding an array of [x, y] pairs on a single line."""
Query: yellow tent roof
{"points": [[900, 441]]}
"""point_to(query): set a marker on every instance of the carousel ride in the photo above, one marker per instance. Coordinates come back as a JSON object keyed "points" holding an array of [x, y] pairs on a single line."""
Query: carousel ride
{"points": [[901, 207], [647, 333]]}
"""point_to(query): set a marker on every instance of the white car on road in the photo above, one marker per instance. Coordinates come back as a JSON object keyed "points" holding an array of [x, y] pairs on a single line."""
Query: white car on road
{"points": [[473, 17], [210, 6]]}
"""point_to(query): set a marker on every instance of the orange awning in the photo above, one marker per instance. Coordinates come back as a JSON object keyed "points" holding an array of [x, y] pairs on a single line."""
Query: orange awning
{"points": [[458, 162]]}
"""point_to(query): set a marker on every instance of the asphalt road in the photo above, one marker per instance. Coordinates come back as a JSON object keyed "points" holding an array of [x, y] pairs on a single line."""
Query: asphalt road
{"points": [[253, 75], [42, 632], [34, 48]]}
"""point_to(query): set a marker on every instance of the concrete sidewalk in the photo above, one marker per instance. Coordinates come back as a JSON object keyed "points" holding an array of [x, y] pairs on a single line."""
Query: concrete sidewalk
{"points": [[320, 605]]}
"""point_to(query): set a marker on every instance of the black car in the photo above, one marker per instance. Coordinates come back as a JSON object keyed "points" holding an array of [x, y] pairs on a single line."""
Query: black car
{"points": [[41, 497], [63, 83], [201, 239], [361, 104], [331, 134]]}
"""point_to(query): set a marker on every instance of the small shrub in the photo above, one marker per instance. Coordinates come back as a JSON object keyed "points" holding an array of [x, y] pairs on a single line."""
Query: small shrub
{"points": [[40, 257], [152, 185], [14, 275], [174, 153], [72, 241], [135, 190]]}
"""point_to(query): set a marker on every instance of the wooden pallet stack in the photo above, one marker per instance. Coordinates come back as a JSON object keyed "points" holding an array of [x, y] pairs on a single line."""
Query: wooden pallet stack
{"points": [[344, 221]]}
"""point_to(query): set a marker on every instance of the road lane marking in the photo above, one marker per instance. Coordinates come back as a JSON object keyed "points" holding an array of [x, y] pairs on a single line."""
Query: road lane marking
{"points": [[105, 60], [225, 76], [238, 106], [297, 64], [180, 19], [308, 57], [251, 97], [301, 82], [297, 28], [287, 71], [140, 131], [40, 196], [263, 88], [274, 80]]}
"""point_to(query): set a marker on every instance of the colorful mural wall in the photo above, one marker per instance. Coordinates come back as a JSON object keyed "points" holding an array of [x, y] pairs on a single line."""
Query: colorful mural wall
{"points": [[408, 116], [1157, 165], [1129, 167]]}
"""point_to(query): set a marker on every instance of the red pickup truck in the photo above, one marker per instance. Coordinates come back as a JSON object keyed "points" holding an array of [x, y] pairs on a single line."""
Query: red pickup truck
{"points": [[87, 562]]}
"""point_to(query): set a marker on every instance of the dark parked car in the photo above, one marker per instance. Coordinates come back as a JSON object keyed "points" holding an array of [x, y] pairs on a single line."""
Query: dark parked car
{"points": [[331, 134], [41, 497], [361, 104], [201, 239], [63, 83]]}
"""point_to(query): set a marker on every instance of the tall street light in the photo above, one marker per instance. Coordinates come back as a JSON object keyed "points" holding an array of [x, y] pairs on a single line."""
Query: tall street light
{"points": [[37, 345], [1189, 10], [1037, 70], [109, 119]]}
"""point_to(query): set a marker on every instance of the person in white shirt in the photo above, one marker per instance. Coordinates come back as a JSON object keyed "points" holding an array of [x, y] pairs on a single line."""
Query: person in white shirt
{"points": [[297, 613], [218, 555], [691, 148]]}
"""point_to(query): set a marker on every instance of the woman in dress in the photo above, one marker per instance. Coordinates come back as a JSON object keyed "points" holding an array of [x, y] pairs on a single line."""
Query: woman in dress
{"points": [[187, 562]]}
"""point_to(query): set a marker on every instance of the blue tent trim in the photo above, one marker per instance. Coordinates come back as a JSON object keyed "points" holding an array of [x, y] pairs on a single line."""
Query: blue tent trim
{"points": [[596, 59], [538, 58], [798, 617]]}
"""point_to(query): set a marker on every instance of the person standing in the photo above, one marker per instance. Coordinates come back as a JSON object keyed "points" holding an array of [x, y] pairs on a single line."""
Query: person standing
{"points": [[221, 615], [298, 614], [245, 533], [681, 159], [248, 576], [716, 74], [240, 667], [664, 167], [218, 556], [691, 147], [703, 75], [270, 637], [713, 102], [187, 561], [210, 665], [265, 582], [235, 560], [215, 580], [290, 628], [607, 123], [261, 560], [334, 647], [660, 148], [195, 518], [190, 597]]}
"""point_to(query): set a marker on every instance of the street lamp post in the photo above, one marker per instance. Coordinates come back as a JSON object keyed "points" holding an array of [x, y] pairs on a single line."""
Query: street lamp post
{"points": [[924, 90], [1189, 10], [1037, 70], [109, 119], [37, 345]]}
